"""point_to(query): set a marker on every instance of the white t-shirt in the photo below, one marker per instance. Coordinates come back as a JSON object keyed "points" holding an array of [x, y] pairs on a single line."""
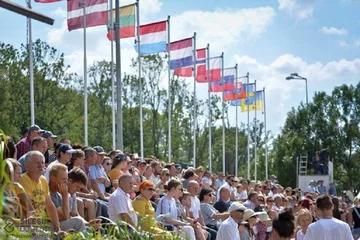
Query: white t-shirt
{"points": [[228, 230], [328, 229], [195, 206], [120, 202], [300, 235]]}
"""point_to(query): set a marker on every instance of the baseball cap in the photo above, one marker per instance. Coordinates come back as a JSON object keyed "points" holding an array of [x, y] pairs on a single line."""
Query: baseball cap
{"points": [[237, 206], [47, 134], [141, 161], [122, 157], [99, 150], [35, 128], [273, 176], [66, 148]]}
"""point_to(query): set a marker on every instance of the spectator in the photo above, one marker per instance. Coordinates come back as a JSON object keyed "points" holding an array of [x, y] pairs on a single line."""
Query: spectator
{"points": [[37, 144], [98, 177], [188, 176], [119, 165], [120, 205], [312, 187], [284, 227], [164, 178], [64, 157], [260, 228], [304, 219], [229, 228], [156, 171], [332, 189], [37, 188], [24, 145], [338, 213], [220, 180], [252, 201], [10, 149], [223, 204], [50, 139], [354, 218], [250, 218], [321, 188], [327, 227]]}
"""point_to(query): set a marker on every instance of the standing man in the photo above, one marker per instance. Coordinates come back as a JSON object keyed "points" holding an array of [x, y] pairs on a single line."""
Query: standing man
{"points": [[327, 227], [229, 228], [23, 146]]}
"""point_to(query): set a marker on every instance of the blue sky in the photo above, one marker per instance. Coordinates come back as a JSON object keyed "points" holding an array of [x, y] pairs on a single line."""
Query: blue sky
{"points": [[269, 39]]}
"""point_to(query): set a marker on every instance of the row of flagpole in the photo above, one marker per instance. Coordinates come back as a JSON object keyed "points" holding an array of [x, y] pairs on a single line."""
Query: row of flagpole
{"points": [[118, 133]]}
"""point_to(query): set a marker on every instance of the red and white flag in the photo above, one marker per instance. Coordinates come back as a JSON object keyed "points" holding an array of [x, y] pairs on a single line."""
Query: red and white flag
{"points": [[200, 65], [96, 13], [47, 1], [215, 71]]}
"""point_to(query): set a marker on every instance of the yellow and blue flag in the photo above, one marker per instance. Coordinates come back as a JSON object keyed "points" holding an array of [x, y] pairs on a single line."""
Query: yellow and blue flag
{"points": [[254, 102]]}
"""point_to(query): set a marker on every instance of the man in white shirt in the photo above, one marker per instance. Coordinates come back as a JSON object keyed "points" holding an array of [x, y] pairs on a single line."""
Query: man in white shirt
{"points": [[120, 206], [229, 229], [156, 169], [312, 187], [327, 227]]}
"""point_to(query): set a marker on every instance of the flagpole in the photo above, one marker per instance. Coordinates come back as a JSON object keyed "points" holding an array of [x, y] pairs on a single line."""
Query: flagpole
{"points": [[195, 102], [140, 81], [266, 148], [112, 81], [120, 143], [31, 69], [236, 129], [223, 112], [209, 99], [85, 80], [255, 135], [248, 126], [169, 88]]}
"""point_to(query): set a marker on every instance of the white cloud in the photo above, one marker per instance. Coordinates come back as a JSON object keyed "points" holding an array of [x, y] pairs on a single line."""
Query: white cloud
{"points": [[59, 12], [281, 95], [301, 9], [343, 44], [357, 43], [333, 31]]}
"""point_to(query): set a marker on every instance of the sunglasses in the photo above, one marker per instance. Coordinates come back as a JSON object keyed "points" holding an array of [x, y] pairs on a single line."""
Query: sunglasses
{"points": [[151, 189], [107, 164], [240, 210], [261, 200], [270, 201]]}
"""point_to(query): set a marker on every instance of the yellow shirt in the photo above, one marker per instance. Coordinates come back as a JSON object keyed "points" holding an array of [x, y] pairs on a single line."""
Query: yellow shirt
{"points": [[145, 210], [114, 174], [37, 191]]}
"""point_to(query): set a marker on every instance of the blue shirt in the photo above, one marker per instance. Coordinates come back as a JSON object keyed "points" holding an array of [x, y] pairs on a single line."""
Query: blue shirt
{"points": [[332, 191], [22, 162], [97, 171]]}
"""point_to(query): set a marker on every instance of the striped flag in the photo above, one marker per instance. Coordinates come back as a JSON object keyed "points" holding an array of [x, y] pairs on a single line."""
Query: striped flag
{"points": [[215, 71], [229, 76], [243, 87], [254, 102], [200, 65], [181, 53], [152, 38], [96, 13], [127, 22], [47, 1]]}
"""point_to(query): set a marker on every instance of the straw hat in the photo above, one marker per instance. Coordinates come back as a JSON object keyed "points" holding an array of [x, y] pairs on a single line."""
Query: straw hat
{"points": [[250, 213], [263, 217]]}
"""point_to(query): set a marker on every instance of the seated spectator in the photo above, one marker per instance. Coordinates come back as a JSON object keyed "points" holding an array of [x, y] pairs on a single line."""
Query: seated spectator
{"points": [[187, 177], [222, 205], [119, 166], [37, 188], [164, 178], [37, 144], [229, 228], [64, 157], [167, 208], [261, 227], [24, 145], [64, 203], [251, 202], [144, 208], [220, 180], [212, 217], [249, 220], [120, 205]]}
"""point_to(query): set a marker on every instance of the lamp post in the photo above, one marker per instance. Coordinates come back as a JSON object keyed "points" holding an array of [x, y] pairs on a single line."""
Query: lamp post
{"points": [[295, 76]]}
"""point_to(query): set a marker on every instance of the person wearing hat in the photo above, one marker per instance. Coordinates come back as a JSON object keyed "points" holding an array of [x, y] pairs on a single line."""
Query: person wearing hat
{"points": [[229, 228], [249, 221], [119, 166], [260, 228], [50, 138], [134, 158], [273, 179], [312, 188], [24, 145], [64, 156], [98, 177], [142, 205]]}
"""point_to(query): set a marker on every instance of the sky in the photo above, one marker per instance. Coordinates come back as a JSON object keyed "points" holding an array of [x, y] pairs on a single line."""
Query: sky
{"points": [[318, 39]]}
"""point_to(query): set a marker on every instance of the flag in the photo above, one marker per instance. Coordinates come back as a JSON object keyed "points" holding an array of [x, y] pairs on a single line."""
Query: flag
{"points": [[237, 93], [181, 53], [152, 38], [254, 102], [215, 71], [96, 14], [241, 92], [200, 66], [47, 1], [127, 22], [229, 76]]}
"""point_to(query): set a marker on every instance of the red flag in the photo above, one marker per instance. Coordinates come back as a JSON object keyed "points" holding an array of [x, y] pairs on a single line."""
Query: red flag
{"points": [[96, 14]]}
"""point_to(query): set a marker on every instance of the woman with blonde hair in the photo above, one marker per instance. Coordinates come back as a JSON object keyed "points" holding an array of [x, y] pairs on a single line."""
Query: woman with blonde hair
{"points": [[143, 206], [303, 220]]}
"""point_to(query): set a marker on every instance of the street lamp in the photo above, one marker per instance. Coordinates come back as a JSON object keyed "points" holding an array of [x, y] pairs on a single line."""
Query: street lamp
{"points": [[295, 76]]}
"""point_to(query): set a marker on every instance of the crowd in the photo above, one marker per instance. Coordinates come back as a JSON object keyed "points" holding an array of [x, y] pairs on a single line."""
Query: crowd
{"points": [[79, 188]]}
